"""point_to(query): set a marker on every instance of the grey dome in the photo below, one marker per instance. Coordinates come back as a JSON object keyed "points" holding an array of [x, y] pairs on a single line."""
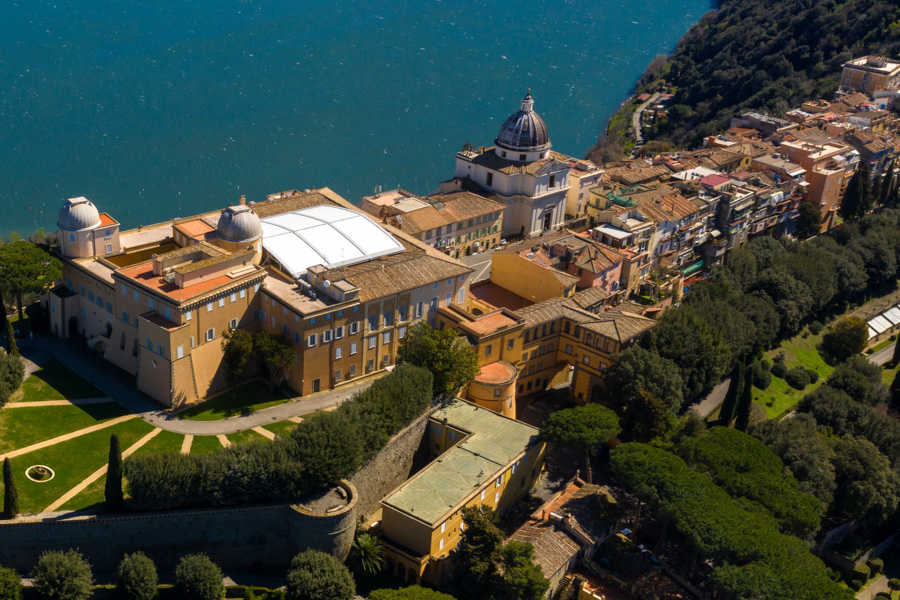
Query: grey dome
{"points": [[78, 213], [239, 224], [524, 131]]}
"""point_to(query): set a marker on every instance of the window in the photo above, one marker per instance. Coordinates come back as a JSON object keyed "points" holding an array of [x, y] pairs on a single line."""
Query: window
{"points": [[419, 308], [338, 352], [372, 341], [441, 544], [243, 293], [497, 393], [509, 344], [71, 237], [461, 296], [448, 299], [210, 334], [168, 313], [404, 313], [401, 332], [443, 526], [533, 354], [188, 315], [552, 180], [326, 336], [209, 306], [386, 337], [109, 307], [522, 157], [90, 295], [586, 359], [159, 349], [338, 332], [499, 481], [515, 466], [353, 347], [496, 497], [568, 348], [232, 324], [134, 295], [256, 288], [462, 526], [434, 304], [125, 316], [488, 349], [149, 344], [340, 313], [327, 317], [179, 352], [312, 340], [233, 297], [222, 301], [312, 321], [388, 318], [482, 495], [524, 356], [338, 375], [373, 322], [124, 290], [351, 371], [354, 327]]}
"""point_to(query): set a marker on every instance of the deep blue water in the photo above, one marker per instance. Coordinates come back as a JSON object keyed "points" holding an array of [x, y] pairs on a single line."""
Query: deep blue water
{"points": [[158, 108]]}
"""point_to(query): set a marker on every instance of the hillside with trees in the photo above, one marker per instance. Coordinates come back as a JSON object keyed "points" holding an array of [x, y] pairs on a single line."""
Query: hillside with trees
{"points": [[767, 56]]}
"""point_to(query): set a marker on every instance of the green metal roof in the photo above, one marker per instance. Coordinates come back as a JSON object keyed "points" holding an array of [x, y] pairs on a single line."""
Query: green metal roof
{"points": [[692, 268], [492, 444]]}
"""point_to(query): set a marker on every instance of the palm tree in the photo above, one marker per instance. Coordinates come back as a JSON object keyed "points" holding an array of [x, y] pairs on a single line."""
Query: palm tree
{"points": [[365, 554]]}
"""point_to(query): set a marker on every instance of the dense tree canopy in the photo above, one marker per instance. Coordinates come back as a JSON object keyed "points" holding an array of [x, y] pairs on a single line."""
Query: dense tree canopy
{"points": [[583, 428], [316, 575], [443, 352], [26, 268]]}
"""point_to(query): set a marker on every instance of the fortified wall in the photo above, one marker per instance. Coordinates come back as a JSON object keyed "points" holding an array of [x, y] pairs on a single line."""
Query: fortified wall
{"points": [[253, 537]]}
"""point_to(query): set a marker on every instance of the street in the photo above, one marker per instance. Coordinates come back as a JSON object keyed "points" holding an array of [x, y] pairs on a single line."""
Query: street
{"points": [[480, 264]]}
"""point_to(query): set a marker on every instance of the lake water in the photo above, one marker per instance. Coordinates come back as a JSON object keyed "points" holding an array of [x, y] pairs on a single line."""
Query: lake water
{"points": [[158, 108]]}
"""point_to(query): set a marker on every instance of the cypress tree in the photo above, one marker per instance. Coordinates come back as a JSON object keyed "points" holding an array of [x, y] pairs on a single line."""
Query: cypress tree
{"points": [[745, 404], [10, 495], [726, 412], [114, 475]]}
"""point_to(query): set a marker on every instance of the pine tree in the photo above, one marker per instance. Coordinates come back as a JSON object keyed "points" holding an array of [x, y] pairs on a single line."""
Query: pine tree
{"points": [[114, 475], [726, 412], [745, 404], [10, 495]]}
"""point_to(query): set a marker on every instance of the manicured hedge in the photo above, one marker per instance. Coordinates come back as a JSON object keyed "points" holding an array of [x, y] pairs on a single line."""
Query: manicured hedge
{"points": [[323, 448]]}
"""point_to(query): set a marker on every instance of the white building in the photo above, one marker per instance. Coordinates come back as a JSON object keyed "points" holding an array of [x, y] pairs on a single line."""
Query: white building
{"points": [[521, 173]]}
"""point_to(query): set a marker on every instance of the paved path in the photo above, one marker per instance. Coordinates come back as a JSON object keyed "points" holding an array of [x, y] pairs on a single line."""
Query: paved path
{"points": [[68, 436], [480, 265], [74, 402], [883, 356], [265, 433], [636, 117], [122, 390], [224, 441], [61, 501], [186, 444], [713, 400], [878, 584]]}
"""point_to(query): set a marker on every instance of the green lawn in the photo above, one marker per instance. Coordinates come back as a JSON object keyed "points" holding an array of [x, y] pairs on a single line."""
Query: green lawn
{"points": [[21, 427], [72, 461], [244, 437], [204, 444], [54, 382], [249, 397], [798, 350], [93, 495], [281, 428]]}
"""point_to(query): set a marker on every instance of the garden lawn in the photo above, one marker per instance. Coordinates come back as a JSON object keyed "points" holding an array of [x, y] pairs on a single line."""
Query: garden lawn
{"points": [[249, 397], [93, 495], [72, 461], [245, 437], [281, 428], [779, 397], [54, 382], [20, 427], [204, 444]]}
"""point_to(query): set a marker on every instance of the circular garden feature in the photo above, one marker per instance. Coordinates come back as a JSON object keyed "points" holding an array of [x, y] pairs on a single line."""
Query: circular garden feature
{"points": [[39, 473]]}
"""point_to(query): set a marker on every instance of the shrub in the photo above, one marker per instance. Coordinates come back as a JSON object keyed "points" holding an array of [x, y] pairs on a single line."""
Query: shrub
{"points": [[779, 369], [797, 378], [320, 450], [198, 578], [316, 575], [894, 583], [846, 338], [62, 575], [10, 585], [882, 596], [862, 572], [136, 577], [876, 566], [816, 327], [813, 375], [761, 373]]}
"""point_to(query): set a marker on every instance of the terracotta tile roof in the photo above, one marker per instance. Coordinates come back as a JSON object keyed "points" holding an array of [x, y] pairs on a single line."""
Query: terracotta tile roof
{"points": [[671, 207], [633, 174], [288, 201], [196, 228], [554, 549], [619, 325], [445, 209], [105, 220], [496, 372], [590, 297], [489, 159]]}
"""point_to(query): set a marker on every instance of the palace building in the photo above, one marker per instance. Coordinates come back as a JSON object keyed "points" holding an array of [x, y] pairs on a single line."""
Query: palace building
{"points": [[155, 301]]}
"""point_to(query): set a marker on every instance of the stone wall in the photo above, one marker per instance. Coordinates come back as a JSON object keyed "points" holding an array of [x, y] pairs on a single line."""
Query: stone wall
{"points": [[392, 465], [247, 538]]}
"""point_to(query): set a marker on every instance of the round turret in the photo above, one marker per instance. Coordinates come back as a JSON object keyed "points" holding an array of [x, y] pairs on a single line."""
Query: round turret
{"points": [[239, 224], [77, 214], [525, 130]]}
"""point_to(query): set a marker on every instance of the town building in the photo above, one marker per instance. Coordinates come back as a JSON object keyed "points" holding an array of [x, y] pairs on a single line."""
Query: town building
{"points": [[870, 74], [520, 172], [828, 166], [458, 223], [479, 458], [341, 288]]}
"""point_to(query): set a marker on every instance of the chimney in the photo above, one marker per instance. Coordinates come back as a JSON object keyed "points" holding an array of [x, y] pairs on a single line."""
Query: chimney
{"points": [[243, 200]]}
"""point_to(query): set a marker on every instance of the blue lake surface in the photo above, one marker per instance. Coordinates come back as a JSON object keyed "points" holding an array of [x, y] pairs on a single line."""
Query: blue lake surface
{"points": [[158, 108]]}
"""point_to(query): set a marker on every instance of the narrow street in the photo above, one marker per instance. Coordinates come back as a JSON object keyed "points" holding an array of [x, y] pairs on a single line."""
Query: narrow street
{"points": [[636, 118]]}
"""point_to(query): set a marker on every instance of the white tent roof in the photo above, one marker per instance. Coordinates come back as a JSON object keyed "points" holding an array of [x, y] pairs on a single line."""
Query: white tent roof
{"points": [[324, 235], [879, 324], [892, 314]]}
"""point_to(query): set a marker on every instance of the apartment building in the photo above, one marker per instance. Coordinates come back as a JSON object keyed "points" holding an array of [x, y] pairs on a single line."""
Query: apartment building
{"points": [[479, 458], [341, 288], [870, 74]]}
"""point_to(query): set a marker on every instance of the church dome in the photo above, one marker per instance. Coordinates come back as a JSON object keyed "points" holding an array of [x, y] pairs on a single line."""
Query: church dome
{"points": [[78, 213], [525, 130], [239, 224]]}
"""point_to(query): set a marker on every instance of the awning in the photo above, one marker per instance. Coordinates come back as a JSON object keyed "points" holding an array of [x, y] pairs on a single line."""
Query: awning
{"points": [[692, 268]]}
